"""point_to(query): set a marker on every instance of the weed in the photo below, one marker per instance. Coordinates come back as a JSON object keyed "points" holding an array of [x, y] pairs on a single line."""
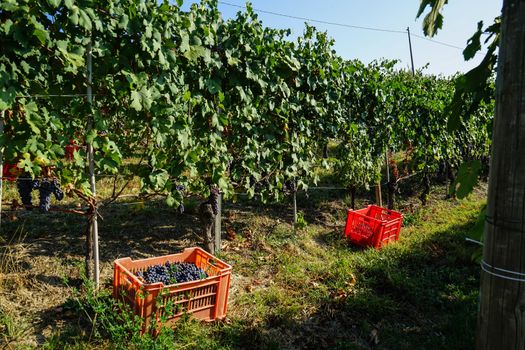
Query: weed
{"points": [[12, 329], [301, 221]]}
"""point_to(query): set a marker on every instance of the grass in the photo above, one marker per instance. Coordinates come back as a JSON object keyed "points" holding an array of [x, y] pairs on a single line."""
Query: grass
{"points": [[302, 289]]}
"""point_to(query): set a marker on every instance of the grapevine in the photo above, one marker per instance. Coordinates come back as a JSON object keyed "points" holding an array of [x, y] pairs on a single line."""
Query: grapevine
{"points": [[227, 104]]}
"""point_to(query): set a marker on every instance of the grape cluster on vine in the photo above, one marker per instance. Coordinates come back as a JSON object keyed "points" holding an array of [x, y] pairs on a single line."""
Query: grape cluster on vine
{"points": [[213, 200], [180, 208], [25, 186], [45, 187], [171, 273], [261, 185], [289, 186]]}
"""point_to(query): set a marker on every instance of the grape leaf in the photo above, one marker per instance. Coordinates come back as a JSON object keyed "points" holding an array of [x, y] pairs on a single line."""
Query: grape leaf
{"points": [[466, 179]]}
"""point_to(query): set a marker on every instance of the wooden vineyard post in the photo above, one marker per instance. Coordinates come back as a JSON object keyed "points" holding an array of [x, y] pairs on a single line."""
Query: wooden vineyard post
{"points": [[379, 201], [1, 167], [295, 208], [217, 225], [352, 196], [501, 318]]}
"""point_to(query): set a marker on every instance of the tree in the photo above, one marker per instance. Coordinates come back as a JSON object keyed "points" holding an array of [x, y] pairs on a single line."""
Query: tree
{"points": [[501, 320]]}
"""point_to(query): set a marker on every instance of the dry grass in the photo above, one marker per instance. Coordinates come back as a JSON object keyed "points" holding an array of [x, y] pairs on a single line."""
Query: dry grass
{"points": [[13, 253]]}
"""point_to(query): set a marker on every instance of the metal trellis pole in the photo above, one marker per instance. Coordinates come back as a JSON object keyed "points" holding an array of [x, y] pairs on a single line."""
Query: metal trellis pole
{"points": [[91, 160]]}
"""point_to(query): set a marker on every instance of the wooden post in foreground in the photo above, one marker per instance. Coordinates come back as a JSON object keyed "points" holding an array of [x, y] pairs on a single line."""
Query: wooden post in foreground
{"points": [[501, 319]]}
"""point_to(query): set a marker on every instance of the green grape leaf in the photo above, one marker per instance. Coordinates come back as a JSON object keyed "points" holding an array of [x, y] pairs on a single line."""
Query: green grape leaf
{"points": [[466, 179], [473, 44], [54, 3], [7, 97], [213, 86], [42, 35], [136, 101]]}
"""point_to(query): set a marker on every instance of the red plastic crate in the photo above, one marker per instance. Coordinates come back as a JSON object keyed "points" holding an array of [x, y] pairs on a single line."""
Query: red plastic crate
{"points": [[205, 299], [373, 226], [10, 171]]}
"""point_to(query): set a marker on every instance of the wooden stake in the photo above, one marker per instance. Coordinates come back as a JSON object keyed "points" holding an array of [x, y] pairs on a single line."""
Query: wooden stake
{"points": [[217, 225], [1, 167], [379, 201]]}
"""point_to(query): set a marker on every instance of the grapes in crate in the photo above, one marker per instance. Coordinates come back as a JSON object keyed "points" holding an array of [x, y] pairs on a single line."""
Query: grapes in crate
{"points": [[171, 273]]}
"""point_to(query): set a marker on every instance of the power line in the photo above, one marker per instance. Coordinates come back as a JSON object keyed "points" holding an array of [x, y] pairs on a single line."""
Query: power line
{"points": [[436, 42], [344, 25], [317, 21]]}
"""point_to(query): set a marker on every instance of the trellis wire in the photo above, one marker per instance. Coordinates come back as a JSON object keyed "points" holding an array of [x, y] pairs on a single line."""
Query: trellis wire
{"points": [[53, 95]]}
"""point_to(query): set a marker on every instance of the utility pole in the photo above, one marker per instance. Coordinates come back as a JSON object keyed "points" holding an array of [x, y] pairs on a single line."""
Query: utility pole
{"points": [[410, 47]]}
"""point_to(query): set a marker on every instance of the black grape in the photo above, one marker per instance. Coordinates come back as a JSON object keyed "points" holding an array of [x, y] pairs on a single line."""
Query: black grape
{"points": [[180, 188], [260, 186], [46, 189], [25, 186], [213, 200], [171, 273], [289, 186]]}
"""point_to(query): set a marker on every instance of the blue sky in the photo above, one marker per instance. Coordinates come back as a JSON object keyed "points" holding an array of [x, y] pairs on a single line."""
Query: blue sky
{"points": [[461, 17]]}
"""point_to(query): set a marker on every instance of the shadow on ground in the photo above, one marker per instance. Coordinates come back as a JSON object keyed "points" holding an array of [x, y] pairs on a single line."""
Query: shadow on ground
{"points": [[420, 296]]}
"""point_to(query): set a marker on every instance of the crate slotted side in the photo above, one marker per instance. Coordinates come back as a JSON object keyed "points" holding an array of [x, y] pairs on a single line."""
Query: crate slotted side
{"points": [[204, 299], [373, 226]]}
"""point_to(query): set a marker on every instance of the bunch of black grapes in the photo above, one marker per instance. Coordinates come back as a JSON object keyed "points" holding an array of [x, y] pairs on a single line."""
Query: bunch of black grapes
{"points": [[180, 188], [289, 186], [170, 273], [261, 185], [45, 187], [213, 200], [25, 186]]}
